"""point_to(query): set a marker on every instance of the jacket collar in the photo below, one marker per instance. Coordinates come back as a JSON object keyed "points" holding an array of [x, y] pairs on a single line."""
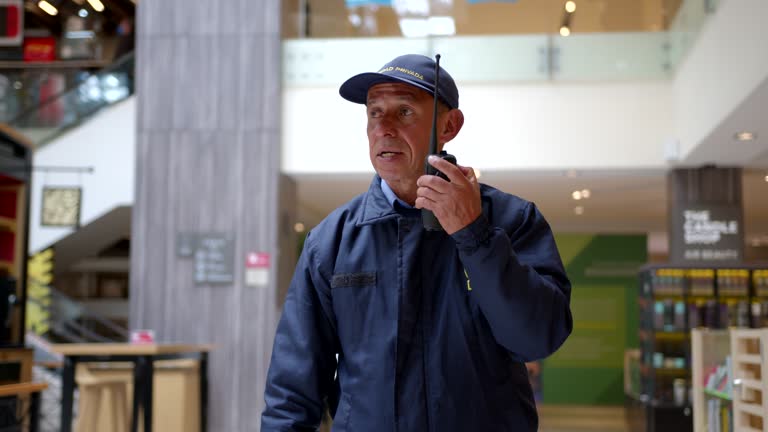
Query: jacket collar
{"points": [[376, 207]]}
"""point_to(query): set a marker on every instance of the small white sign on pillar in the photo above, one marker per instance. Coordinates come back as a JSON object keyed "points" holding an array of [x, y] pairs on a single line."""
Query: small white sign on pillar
{"points": [[257, 269]]}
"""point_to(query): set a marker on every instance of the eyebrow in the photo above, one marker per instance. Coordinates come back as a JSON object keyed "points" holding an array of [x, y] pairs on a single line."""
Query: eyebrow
{"points": [[404, 96]]}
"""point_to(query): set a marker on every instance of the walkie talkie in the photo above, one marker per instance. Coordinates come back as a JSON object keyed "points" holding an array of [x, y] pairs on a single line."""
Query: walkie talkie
{"points": [[427, 217]]}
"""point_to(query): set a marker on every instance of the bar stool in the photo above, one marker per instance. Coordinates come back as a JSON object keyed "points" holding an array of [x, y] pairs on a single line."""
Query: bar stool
{"points": [[92, 389]]}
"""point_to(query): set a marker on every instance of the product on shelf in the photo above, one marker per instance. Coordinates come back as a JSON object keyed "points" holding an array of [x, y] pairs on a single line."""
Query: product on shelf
{"points": [[720, 378]]}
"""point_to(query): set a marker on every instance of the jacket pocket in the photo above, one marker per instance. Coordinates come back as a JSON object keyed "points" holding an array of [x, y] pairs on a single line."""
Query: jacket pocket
{"points": [[350, 280], [341, 420], [356, 307]]}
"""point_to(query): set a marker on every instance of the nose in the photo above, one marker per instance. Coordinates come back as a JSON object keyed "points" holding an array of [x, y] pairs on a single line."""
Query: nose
{"points": [[385, 126]]}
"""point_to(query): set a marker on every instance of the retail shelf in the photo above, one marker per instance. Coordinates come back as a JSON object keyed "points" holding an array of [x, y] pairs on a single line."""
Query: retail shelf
{"points": [[748, 358], [669, 405], [664, 371], [754, 409], [752, 384], [672, 336], [660, 335], [750, 405]]}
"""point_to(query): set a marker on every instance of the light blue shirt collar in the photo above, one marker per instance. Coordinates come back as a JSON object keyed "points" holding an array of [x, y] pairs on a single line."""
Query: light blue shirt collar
{"points": [[391, 197]]}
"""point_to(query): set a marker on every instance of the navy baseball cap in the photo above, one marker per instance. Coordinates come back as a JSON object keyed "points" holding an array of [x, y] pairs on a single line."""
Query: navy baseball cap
{"points": [[414, 69]]}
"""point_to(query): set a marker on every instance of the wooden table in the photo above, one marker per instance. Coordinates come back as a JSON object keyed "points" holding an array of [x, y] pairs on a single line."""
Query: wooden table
{"points": [[143, 357], [23, 356], [22, 390]]}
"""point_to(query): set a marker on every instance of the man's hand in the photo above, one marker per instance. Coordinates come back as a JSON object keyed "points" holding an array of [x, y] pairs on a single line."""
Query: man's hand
{"points": [[456, 204]]}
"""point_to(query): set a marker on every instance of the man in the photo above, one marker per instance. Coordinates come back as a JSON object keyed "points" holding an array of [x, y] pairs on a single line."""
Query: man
{"points": [[423, 330]]}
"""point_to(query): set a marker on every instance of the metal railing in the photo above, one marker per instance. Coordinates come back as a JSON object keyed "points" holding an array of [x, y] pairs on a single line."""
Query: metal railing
{"points": [[69, 321], [69, 108]]}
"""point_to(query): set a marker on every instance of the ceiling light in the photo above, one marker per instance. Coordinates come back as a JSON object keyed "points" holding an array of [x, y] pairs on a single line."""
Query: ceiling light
{"points": [[441, 26], [414, 27], [585, 193], [746, 136], [97, 5], [579, 210], [423, 27], [411, 7], [570, 6], [766, 178], [82, 13], [298, 227], [47, 7], [565, 31], [576, 195]]}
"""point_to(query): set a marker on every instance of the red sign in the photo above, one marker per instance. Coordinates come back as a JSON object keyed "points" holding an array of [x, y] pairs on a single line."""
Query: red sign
{"points": [[39, 49], [142, 337], [11, 22], [257, 260]]}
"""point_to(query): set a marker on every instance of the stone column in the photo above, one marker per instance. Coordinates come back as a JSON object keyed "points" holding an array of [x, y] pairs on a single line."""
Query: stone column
{"points": [[208, 182]]}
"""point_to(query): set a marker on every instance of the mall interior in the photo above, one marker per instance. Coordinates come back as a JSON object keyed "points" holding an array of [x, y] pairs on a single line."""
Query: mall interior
{"points": [[163, 161]]}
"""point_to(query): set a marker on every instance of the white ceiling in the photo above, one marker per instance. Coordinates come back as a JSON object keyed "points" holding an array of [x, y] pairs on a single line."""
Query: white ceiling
{"points": [[721, 147]]}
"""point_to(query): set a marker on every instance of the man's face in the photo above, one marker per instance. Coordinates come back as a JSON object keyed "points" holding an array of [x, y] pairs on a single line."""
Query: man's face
{"points": [[399, 126]]}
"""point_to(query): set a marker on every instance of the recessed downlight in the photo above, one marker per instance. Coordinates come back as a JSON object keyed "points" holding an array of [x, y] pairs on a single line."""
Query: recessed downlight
{"points": [[746, 136], [565, 31], [298, 227], [579, 210], [48, 8], [585, 193], [576, 195], [570, 6]]}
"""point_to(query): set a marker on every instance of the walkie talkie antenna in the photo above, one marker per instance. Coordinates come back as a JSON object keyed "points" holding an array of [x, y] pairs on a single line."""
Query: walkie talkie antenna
{"points": [[433, 137], [427, 217]]}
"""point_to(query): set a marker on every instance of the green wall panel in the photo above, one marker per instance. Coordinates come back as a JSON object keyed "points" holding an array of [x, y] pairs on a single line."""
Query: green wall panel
{"points": [[588, 368]]}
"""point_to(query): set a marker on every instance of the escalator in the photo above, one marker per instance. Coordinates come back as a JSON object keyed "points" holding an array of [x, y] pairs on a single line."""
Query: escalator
{"points": [[71, 107]]}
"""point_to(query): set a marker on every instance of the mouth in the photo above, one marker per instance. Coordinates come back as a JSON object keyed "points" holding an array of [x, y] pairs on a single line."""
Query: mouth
{"points": [[388, 154]]}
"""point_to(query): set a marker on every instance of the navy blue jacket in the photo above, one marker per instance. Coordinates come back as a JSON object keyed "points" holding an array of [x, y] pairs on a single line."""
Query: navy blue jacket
{"points": [[431, 330]]}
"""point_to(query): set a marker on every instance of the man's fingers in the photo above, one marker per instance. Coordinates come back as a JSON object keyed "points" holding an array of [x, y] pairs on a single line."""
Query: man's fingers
{"points": [[424, 203], [452, 171], [433, 182], [428, 193]]}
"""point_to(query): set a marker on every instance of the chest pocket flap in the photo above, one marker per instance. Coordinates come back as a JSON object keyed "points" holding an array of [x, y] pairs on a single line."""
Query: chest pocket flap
{"points": [[349, 280]]}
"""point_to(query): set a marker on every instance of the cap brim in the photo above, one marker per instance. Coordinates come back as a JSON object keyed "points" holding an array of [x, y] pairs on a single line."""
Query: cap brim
{"points": [[356, 88]]}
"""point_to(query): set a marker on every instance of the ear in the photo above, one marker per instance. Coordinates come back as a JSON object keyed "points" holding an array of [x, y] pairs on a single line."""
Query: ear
{"points": [[451, 125]]}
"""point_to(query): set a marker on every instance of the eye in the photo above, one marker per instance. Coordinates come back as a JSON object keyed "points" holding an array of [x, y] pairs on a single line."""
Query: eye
{"points": [[406, 111], [374, 113]]}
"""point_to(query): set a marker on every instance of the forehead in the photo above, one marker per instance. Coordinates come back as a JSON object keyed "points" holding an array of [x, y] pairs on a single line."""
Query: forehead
{"points": [[398, 91]]}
